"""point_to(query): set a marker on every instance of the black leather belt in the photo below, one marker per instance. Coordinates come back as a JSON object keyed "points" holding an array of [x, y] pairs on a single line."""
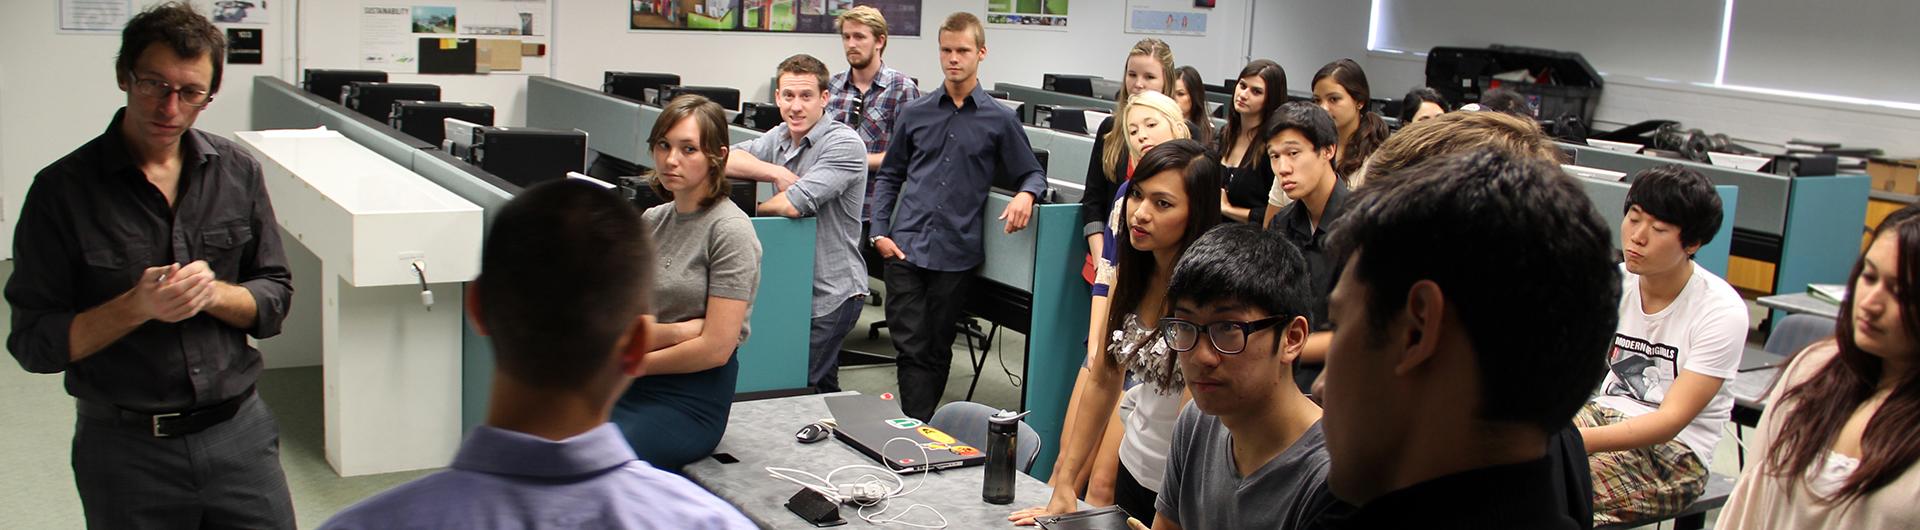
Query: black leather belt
{"points": [[169, 424]]}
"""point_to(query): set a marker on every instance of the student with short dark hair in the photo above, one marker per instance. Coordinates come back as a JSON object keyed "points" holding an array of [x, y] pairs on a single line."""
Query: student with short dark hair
{"points": [[1261, 87], [947, 148], [1506, 101], [703, 288], [1652, 428], [1422, 104], [816, 166], [1835, 448], [1248, 452], [1191, 93], [1341, 88], [1301, 150], [562, 290], [1466, 336]]}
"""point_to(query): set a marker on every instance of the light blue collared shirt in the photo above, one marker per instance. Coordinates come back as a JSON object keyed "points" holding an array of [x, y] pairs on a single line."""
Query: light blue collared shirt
{"points": [[507, 479]]}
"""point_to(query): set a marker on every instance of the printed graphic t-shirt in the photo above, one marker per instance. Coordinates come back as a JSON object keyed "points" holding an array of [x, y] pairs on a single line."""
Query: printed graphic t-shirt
{"points": [[1703, 331]]}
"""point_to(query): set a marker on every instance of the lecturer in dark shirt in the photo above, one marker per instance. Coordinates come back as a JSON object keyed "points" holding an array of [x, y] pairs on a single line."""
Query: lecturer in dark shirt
{"points": [[1466, 336], [947, 147], [143, 260]]}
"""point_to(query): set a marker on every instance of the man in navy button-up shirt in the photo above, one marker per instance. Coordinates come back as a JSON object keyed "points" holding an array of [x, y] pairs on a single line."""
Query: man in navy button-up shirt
{"points": [[946, 149]]}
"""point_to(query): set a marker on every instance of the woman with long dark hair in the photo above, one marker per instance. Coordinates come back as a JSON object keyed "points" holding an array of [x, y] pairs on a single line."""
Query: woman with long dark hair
{"points": [[1341, 88], [1168, 205], [1261, 87], [1191, 94], [1836, 447]]}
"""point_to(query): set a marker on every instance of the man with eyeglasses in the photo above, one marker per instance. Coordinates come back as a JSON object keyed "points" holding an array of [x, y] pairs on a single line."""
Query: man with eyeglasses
{"points": [[1248, 451], [816, 165], [142, 261]]}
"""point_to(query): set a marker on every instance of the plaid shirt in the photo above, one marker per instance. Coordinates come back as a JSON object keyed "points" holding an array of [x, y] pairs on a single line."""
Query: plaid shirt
{"points": [[891, 92]]}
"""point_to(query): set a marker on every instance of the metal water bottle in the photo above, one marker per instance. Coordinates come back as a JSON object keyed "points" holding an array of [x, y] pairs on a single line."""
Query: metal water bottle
{"points": [[1003, 435]]}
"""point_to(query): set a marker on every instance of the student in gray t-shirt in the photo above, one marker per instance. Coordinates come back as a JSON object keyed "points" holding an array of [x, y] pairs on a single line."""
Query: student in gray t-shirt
{"points": [[819, 168], [1248, 452]]}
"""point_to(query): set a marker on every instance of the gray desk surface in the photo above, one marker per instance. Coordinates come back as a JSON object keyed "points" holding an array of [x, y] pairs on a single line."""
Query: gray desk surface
{"points": [[1750, 388], [760, 434], [1801, 303]]}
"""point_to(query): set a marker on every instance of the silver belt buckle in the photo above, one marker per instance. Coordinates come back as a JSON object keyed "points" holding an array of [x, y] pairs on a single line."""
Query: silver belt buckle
{"points": [[156, 424]]}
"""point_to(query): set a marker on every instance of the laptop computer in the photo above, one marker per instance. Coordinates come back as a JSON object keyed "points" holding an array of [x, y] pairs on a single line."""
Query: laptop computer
{"points": [[867, 423]]}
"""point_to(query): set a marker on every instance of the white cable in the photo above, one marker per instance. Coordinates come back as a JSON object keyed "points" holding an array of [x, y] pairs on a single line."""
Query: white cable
{"points": [[859, 492]]}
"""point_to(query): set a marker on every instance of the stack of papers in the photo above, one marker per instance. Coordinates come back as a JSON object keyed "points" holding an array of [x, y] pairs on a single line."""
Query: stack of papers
{"points": [[1830, 293]]}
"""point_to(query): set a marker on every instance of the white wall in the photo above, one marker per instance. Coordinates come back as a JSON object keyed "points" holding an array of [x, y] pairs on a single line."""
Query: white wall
{"points": [[330, 38], [60, 92]]}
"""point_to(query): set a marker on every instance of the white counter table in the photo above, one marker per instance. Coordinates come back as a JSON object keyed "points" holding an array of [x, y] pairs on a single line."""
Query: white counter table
{"points": [[391, 364]]}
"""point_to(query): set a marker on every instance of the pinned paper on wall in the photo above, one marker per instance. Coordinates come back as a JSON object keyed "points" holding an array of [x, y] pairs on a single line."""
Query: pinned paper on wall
{"points": [[95, 16], [1141, 19], [244, 45], [456, 36]]}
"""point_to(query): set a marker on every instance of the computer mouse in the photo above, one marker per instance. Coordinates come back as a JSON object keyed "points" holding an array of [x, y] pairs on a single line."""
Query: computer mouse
{"points": [[811, 433]]}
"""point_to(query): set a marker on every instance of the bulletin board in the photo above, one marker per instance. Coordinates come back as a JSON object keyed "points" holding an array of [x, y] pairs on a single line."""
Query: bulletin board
{"points": [[456, 36], [766, 16]]}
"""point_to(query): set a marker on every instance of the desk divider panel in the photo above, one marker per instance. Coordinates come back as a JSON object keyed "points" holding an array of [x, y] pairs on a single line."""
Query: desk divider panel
{"points": [[775, 354], [611, 122], [1055, 342], [1824, 224], [1035, 96], [1068, 156], [1610, 198]]}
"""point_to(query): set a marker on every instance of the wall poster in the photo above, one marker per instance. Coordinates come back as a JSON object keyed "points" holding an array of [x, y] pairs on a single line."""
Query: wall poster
{"points": [[1142, 19], [766, 16], [1027, 14]]}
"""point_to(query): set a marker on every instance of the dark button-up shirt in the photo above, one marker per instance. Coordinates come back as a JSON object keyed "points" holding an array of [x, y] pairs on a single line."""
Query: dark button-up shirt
{"points": [[1511, 496], [92, 223], [940, 169], [1295, 223]]}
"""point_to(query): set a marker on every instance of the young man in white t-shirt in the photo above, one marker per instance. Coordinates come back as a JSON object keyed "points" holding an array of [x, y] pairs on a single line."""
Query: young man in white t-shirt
{"points": [[1651, 429]]}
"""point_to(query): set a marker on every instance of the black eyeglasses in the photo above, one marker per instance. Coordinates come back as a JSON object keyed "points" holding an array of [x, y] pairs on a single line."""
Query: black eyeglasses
{"points": [[1228, 336], [157, 89]]}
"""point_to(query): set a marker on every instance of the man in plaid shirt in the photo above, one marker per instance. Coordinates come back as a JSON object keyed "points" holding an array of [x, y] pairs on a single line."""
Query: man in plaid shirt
{"points": [[869, 95]]}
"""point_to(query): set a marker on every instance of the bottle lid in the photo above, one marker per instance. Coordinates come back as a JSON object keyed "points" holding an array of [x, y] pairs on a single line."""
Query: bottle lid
{"points": [[1007, 417]]}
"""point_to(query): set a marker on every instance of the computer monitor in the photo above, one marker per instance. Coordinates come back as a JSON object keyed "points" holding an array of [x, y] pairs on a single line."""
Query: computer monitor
{"points": [[426, 120], [526, 156], [327, 83], [727, 98], [759, 116], [375, 100], [1079, 85], [634, 85]]}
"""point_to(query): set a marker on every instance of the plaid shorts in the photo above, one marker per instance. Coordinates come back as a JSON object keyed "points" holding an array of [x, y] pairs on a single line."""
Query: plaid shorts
{"points": [[1640, 484]]}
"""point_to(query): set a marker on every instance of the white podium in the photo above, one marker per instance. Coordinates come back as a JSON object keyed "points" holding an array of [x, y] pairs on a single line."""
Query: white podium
{"points": [[391, 364]]}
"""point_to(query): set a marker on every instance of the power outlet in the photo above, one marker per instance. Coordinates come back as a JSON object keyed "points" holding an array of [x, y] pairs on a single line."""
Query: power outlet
{"points": [[407, 259]]}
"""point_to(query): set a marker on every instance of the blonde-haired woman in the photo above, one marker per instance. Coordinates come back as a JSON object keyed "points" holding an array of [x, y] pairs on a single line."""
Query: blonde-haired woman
{"points": [[1149, 67]]}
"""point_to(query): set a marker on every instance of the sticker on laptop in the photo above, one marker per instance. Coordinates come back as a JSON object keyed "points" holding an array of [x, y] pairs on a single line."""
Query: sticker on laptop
{"points": [[935, 435], [935, 446], [964, 450], [904, 423]]}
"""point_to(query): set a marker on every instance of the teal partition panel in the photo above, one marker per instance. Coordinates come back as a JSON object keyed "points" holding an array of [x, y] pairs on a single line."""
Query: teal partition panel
{"points": [[1058, 331], [775, 355], [1713, 255], [1824, 224]]}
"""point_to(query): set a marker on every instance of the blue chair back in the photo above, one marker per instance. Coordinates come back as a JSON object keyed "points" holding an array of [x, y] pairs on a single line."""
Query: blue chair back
{"points": [[1796, 331], [967, 421]]}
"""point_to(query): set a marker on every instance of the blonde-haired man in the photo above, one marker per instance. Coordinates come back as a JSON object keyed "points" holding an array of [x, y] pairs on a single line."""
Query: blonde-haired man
{"points": [[869, 95]]}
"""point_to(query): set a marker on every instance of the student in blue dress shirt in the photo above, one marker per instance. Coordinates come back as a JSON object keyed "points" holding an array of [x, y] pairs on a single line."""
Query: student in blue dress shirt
{"points": [[562, 289]]}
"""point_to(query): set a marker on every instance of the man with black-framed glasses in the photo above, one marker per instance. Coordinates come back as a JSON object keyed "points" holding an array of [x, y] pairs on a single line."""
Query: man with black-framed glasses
{"points": [[142, 261], [1247, 452]]}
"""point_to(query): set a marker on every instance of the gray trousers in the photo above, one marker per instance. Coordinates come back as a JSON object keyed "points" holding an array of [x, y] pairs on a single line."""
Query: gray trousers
{"points": [[227, 476]]}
